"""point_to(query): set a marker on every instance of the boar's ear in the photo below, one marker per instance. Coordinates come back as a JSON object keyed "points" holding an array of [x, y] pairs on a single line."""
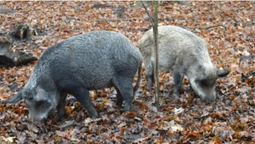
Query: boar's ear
{"points": [[222, 73], [28, 94], [41, 95], [16, 97], [200, 79]]}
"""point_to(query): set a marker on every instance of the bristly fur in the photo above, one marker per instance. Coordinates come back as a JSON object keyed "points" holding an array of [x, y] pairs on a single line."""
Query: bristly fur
{"points": [[89, 61], [183, 52]]}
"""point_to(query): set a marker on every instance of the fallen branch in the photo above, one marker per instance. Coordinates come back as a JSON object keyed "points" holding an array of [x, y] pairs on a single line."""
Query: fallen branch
{"points": [[216, 26], [133, 19], [8, 58], [69, 123]]}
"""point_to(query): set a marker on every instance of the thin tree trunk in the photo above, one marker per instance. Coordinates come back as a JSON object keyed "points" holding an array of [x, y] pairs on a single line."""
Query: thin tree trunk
{"points": [[155, 34], [154, 22]]}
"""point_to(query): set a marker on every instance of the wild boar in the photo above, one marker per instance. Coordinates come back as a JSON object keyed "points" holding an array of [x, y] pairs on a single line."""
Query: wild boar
{"points": [[90, 61], [186, 54]]}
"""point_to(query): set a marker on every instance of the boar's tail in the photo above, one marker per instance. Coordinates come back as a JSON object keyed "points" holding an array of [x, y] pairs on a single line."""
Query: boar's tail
{"points": [[15, 98], [139, 78]]}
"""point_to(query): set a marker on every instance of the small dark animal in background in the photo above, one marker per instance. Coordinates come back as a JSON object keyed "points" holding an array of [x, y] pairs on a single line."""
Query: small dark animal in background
{"points": [[245, 63]]}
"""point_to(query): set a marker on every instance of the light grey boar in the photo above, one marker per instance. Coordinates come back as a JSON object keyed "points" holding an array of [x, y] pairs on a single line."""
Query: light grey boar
{"points": [[90, 61], [186, 54]]}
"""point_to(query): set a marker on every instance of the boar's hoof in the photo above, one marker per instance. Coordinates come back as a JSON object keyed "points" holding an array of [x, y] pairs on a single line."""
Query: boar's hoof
{"points": [[60, 117], [127, 107], [150, 86], [176, 94], [119, 102], [94, 115], [149, 82], [209, 100]]}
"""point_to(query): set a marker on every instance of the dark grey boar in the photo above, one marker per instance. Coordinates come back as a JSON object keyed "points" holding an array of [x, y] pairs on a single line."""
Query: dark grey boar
{"points": [[186, 54], [90, 61]]}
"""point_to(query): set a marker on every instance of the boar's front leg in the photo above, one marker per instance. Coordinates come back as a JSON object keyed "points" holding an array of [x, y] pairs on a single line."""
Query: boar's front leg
{"points": [[178, 78], [61, 106], [119, 100], [82, 95]]}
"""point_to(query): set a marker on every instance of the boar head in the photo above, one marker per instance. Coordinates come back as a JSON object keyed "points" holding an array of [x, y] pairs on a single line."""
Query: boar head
{"points": [[40, 106], [204, 84]]}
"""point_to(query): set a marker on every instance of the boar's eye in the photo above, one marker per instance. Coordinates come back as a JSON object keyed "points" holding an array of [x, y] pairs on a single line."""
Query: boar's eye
{"points": [[206, 83], [200, 80], [42, 104], [27, 95], [29, 98]]}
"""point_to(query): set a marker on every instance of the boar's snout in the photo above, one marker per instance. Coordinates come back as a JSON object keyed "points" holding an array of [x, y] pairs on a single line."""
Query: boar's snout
{"points": [[204, 89], [38, 121], [40, 114], [40, 106], [209, 99], [38, 117]]}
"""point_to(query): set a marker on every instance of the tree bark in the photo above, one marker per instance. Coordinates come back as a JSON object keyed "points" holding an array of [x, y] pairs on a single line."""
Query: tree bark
{"points": [[155, 34], [154, 22]]}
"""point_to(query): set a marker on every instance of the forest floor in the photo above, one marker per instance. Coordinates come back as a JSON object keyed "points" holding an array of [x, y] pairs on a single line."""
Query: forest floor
{"points": [[227, 27]]}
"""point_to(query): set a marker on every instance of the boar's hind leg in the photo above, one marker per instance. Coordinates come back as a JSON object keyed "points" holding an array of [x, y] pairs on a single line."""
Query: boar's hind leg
{"points": [[178, 77], [149, 69], [125, 90], [82, 95], [149, 81], [61, 106]]}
